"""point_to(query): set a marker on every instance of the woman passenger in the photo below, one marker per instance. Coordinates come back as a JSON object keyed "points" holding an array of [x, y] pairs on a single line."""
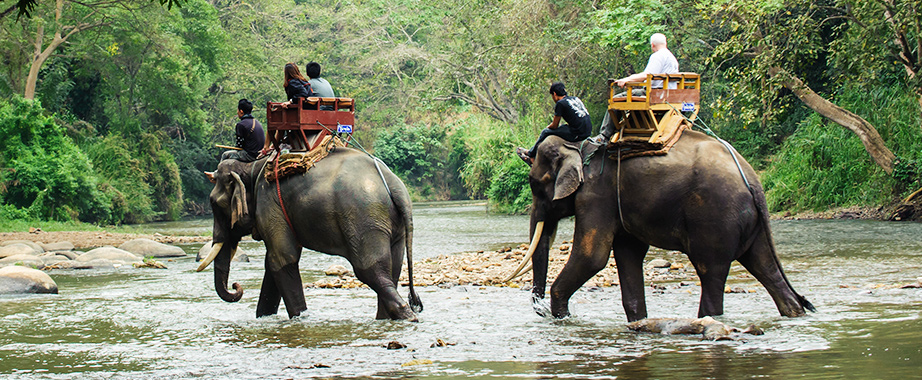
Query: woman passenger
{"points": [[296, 86]]}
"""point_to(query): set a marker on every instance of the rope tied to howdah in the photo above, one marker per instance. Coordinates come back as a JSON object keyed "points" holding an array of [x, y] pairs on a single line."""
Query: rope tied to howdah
{"points": [[297, 163]]}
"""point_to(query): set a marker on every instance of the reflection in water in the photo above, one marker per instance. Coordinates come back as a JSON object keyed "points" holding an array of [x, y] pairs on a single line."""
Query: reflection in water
{"points": [[153, 324]]}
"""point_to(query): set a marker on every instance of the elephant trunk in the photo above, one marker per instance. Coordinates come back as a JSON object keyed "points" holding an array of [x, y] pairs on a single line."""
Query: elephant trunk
{"points": [[222, 271]]}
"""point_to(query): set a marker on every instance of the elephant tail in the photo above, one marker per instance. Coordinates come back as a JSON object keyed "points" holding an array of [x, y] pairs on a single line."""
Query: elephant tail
{"points": [[415, 303], [758, 196], [404, 207]]}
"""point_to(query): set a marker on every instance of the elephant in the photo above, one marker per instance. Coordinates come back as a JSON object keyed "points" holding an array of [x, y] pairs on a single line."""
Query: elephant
{"points": [[702, 198], [349, 204]]}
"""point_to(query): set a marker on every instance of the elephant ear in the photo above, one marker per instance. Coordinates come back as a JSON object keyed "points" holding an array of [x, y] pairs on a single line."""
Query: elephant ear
{"points": [[238, 200], [569, 173]]}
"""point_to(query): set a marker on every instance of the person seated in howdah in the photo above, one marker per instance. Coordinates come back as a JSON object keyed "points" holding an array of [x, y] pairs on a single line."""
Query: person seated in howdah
{"points": [[662, 61]]}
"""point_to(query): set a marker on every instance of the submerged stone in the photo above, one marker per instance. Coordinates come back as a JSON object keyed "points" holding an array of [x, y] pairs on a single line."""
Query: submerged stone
{"points": [[150, 248], [17, 249], [31, 261], [111, 254], [22, 280]]}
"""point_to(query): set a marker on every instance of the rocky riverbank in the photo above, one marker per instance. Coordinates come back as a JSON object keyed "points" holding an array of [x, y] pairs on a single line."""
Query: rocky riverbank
{"points": [[489, 268], [95, 239]]}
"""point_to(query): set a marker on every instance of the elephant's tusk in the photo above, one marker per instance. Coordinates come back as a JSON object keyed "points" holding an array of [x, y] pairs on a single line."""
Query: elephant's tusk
{"points": [[531, 251], [526, 270], [211, 255]]}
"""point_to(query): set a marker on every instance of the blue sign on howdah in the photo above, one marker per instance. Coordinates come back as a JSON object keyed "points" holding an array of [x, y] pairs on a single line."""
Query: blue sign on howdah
{"points": [[344, 128]]}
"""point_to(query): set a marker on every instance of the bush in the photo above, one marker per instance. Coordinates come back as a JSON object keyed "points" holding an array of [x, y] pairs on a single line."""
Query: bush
{"points": [[45, 173], [422, 155], [509, 191], [824, 165], [131, 195]]}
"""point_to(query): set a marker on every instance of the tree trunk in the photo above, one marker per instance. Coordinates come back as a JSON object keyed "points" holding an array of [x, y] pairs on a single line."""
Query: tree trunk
{"points": [[38, 59], [872, 141], [41, 55]]}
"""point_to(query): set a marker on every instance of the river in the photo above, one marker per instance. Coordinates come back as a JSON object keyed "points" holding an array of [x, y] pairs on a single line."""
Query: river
{"points": [[170, 324]]}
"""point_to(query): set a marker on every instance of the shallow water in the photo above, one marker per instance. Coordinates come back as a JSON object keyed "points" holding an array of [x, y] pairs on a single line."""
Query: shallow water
{"points": [[147, 323]]}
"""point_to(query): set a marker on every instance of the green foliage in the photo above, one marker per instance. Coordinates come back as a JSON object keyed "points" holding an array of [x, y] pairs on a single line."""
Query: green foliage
{"points": [[44, 175], [824, 165], [628, 25], [192, 160], [509, 191], [132, 199], [420, 155], [445, 91]]}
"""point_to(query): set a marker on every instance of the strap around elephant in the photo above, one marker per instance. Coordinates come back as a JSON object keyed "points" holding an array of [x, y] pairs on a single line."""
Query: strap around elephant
{"points": [[278, 190]]}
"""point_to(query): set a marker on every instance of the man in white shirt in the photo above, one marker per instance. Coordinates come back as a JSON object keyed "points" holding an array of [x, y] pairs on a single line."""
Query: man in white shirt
{"points": [[661, 62]]}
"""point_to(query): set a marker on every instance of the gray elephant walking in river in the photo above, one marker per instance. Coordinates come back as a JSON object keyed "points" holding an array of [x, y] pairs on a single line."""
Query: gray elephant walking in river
{"points": [[346, 205], [693, 200]]}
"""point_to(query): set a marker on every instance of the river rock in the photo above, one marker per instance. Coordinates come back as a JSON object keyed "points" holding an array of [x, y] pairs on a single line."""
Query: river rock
{"points": [[660, 263], [90, 264], [150, 248], [35, 247], [51, 260], [70, 255], [336, 270], [17, 249], [240, 256], [111, 254], [22, 280], [58, 246], [30, 261]]}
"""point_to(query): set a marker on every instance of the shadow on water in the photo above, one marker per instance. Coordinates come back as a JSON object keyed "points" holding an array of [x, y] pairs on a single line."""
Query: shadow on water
{"points": [[153, 324]]}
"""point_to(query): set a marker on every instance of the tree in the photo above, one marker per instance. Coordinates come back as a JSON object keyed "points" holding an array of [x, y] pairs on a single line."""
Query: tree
{"points": [[27, 6], [776, 41], [64, 23], [881, 33]]}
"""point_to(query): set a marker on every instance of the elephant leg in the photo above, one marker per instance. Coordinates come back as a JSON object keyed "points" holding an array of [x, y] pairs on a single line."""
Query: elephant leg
{"points": [[288, 280], [629, 253], [540, 259], [390, 304], [713, 276], [590, 253], [282, 256], [398, 249], [269, 296], [761, 261], [374, 265]]}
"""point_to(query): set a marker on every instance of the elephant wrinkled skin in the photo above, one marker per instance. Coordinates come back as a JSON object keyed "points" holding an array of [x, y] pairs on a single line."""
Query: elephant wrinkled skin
{"points": [[693, 200], [340, 207]]}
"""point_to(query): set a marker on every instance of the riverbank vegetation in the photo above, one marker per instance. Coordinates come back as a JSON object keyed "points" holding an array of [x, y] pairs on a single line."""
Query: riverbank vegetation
{"points": [[109, 110]]}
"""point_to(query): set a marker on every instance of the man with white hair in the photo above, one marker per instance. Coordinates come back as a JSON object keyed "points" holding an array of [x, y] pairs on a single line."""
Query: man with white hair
{"points": [[661, 62]]}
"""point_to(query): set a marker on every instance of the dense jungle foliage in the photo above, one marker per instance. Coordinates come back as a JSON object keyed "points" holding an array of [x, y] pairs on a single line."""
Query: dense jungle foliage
{"points": [[110, 110]]}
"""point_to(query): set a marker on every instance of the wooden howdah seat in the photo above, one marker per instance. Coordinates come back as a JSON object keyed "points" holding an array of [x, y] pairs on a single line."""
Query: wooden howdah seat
{"points": [[309, 120], [659, 113]]}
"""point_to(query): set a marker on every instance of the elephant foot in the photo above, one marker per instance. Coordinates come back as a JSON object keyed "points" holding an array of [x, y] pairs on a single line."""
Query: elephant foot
{"points": [[541, 306], [262, 313], [295, 313], [402, 313], [560, 311]]}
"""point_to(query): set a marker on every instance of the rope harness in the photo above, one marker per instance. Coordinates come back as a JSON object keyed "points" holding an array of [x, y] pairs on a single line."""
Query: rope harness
{"points": [[278, 190], [703, 127], [373, 158]]}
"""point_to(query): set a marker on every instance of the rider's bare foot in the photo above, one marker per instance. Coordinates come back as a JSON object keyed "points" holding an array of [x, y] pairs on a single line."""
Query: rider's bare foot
{"points": [[523, 154]]}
